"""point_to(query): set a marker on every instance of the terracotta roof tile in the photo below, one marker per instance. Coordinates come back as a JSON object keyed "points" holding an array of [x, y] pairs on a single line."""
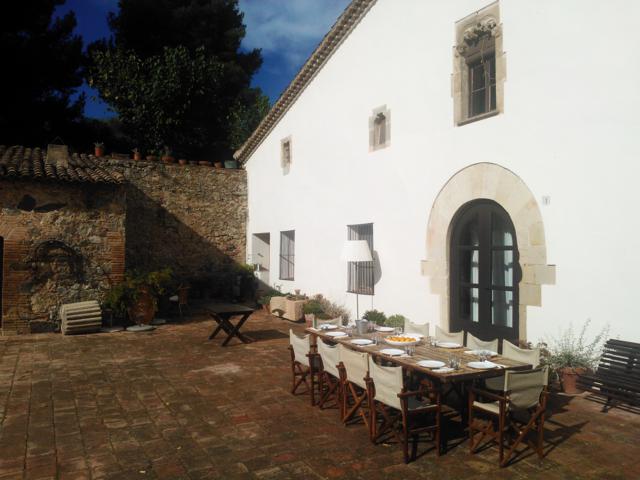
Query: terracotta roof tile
{"points": [[23, 162]]}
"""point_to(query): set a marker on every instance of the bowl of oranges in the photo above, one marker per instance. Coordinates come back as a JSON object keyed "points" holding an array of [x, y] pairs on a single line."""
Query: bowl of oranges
{"points": [[402, 340]]}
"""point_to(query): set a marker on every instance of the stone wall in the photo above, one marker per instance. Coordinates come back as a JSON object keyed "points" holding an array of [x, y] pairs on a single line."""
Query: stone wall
{"points": [[190, 218], [62, 243]]}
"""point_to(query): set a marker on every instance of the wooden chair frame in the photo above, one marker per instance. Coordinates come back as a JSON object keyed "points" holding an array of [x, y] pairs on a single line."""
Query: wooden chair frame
{"points": [[303, 374], [506, 422], [332, 392], [404, 417], [355, 395]]}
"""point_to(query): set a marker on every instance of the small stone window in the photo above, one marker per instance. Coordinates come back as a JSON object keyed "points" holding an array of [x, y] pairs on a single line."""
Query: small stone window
{"points": [[285, 154], [479, 66], [379, 128]]}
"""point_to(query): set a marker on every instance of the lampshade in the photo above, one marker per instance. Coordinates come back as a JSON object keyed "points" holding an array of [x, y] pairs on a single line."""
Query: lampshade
{"points": [[356, 251]]}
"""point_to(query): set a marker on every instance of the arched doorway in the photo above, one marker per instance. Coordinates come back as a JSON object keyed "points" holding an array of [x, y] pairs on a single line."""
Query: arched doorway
{"points": [[484, 272]]}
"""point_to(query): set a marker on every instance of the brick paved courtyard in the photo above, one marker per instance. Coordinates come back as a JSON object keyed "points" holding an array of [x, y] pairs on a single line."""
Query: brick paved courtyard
{"points": [[171, 405]]}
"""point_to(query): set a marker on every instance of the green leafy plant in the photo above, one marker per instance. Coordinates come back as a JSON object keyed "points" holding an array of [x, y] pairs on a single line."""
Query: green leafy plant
{"points": [[396, 321], [379, 318], [331, 309], [266, 298], [124, 295], [569, 350], [313, 307]]}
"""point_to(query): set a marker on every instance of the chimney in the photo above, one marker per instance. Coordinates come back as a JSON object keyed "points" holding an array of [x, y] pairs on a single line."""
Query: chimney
{"points": [[58, 155]]}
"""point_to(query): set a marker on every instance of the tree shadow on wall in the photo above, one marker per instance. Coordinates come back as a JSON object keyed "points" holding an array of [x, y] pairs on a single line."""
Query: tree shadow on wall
{"points": [[206, 260]]}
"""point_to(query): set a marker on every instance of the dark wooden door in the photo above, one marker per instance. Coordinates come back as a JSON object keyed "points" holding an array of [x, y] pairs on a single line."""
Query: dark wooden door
{"points": [[484, 272]]}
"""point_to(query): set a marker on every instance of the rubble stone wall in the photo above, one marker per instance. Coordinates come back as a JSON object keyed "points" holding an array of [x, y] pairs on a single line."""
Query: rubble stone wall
{"points": [[61, 244]]}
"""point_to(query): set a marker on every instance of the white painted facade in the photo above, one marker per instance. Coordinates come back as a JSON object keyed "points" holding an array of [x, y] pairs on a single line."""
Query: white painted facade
{"points": [[570, 131]]}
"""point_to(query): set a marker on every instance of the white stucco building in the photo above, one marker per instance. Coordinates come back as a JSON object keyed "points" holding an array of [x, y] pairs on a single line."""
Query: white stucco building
{"points": [[490, 151]]}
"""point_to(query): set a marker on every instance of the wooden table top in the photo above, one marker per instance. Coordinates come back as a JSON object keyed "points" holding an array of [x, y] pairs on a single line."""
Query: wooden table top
{"points": [[227, 308], [424, 351]]}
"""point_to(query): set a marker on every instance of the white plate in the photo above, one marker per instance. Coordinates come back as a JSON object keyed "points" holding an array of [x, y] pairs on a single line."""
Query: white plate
{"points": [[361, 341], [480, 352], [482, 365], [328, 326], [394, 352], [402, 344], [385, 329], [431, 363], [336, 334], [443, 370], [448, 345], [411, 334]]}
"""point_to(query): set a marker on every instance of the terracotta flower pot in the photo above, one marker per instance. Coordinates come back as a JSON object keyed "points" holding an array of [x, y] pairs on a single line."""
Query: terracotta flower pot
{"points": [[193, 162], [99, 152], [143, 311], [569, 378], [308, 319], [217, 164], [137, 156], [182, 161], [168, 159]]}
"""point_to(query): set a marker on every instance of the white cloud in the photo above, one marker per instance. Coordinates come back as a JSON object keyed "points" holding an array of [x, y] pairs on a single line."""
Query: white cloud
{"points": [[289, 28]]}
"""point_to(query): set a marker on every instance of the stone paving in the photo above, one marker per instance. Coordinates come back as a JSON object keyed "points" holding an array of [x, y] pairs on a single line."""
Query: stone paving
{"points": [[171, 405]]}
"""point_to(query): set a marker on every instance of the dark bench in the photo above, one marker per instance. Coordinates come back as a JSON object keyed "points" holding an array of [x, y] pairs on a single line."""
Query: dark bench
{"points": [[618, 375]]}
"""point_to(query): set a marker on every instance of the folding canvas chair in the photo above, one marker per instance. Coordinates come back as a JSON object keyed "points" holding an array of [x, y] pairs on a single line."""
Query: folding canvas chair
{"points": [[354, 370], [510, 351], [477, 344], [329, 375], [421, 328], [303, 362], [455, 337], [524, 395], [389, 400]]}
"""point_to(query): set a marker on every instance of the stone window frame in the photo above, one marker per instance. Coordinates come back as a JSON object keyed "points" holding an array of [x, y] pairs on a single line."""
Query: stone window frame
{"points": [[374, 136], [472, 34], [285, 162]]}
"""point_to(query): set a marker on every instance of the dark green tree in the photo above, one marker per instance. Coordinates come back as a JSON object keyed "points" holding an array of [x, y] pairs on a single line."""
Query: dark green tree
{"points": [[175, 75], [42, 68]]}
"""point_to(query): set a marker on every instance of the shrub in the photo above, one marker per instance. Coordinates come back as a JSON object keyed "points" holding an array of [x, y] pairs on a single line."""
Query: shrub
{"points": [[379, 318], [396, 321], [569, 350], [330, 309], [266, 298], [312, 307]]}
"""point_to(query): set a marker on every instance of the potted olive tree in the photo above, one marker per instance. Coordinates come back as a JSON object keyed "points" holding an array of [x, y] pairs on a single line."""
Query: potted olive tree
{"points": [[570, 356]]}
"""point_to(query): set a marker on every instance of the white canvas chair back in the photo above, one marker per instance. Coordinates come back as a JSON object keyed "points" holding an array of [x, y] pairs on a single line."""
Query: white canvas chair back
{"points": [[355, 363], [525, 387], [301, 347], [422, 328], [388, 383], [456, 337], [334, 321], [330, 358], [477, 344], [509, 350]]}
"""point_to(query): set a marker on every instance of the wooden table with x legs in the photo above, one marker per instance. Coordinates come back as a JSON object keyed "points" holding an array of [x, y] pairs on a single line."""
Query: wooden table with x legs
{"points": [[222, 313]]}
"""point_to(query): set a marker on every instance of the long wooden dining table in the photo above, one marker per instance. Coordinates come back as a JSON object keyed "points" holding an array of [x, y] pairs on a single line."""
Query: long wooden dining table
{"points": [[424, 351]]}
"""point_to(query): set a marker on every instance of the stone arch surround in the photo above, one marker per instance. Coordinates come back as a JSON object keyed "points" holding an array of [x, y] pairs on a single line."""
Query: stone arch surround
{"points": [[493, 182]]}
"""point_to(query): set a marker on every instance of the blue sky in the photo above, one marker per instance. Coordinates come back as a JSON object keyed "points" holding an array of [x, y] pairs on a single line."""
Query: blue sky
{"points": [[287, 31]]}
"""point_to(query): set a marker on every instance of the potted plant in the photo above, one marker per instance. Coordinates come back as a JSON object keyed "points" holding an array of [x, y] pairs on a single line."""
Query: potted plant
{"points": [[137, 296], [379, 318], [193, 162], [182, 161], [396, 321], [137, 156], [151, 156], [167, 155], [233, 164], [570, 356], [311, 310], [98, 149], [204, 163], [218, 165]]}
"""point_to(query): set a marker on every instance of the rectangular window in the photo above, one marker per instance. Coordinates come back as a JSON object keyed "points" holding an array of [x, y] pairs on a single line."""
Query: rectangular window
{"points": [[482, 85], [360, 274], [285, 152], [287, 254]]}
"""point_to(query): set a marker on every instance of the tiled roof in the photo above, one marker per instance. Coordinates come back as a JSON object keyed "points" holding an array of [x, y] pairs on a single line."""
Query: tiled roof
{"points": [[31, 163], [352, 15]]}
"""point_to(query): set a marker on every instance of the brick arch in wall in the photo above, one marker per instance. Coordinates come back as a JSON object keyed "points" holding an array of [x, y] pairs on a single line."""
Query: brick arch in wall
{"points": [[493, 182]]}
